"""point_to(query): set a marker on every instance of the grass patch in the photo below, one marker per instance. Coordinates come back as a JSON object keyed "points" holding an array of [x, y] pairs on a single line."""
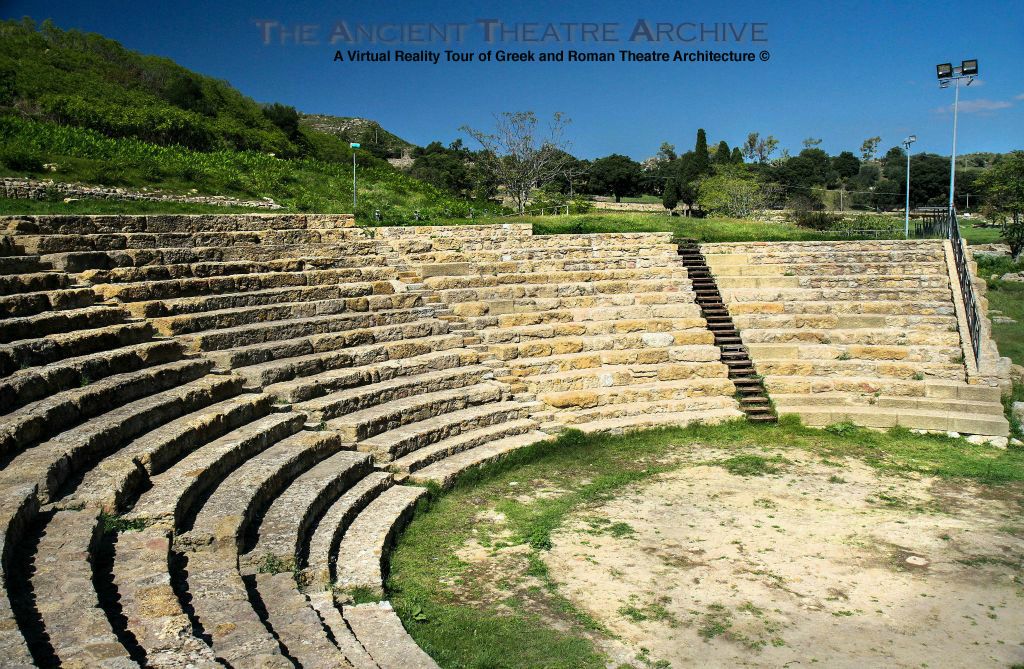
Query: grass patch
{"points": [[113, 524], [17, 207], [467, 615]]}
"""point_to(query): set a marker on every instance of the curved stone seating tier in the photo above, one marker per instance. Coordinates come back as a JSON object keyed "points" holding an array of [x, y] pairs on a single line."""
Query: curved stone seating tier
{"points": [[865, 332], [214, 427]]}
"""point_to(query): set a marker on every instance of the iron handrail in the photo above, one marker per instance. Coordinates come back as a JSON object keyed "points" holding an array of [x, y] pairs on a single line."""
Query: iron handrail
{"points": [[966, 285]]}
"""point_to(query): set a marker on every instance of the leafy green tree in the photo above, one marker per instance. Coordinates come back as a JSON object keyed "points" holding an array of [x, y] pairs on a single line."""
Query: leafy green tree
{"points": [[869, 148], [732, 192], [616, 174], [846, 165], [737, 156], [812, 142], [666, 152], [670, 198], [1003, 186], [722, 154], [284, 117]]}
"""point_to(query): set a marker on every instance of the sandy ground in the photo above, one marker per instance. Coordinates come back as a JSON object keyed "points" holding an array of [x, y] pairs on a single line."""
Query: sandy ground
{"points": [[826, 563]]}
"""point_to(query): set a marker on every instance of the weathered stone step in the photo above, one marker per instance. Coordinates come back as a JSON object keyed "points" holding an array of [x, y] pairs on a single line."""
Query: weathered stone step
{"points": [[480, 281], [920, 419], [843, 399], [612, 376], [844, 281], [708, 388], [748, 322], [218, 593], [408, 438], [596, 314], [67, 603], [29, 304], [349, 330], [120, 476], [322, 602], [385, 346], [897, 369], [542, 331], [835, 294], [50, 465], [48, 417], [596, 286], [286, 525], [126, 269], [713, 406], [261, 333], [242, 316], [374, 420], [949, 353], [933, 268], [296, 625], [57, 322], [33, 282], [380, 631], [49, 349], [496, 307], [18, 507], [22, 265], [175, 490], [445, 472], [50, 244], [347, 389], [361, 553], [270, 296], [642, 421], [853, 337], [566, 362], [496, 265], [952, 390], [318, 558], [35, 383], [918, 307], [558, 346], [459, 442], [314, 256]]}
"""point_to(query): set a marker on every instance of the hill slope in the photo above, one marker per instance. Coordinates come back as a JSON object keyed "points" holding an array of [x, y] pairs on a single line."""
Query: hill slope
{"points": [[370, 134], [106, 115]]}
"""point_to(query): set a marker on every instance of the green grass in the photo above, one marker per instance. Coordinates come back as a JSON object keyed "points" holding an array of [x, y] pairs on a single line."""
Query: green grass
{"points": [[462, 624], [1006, 297]]}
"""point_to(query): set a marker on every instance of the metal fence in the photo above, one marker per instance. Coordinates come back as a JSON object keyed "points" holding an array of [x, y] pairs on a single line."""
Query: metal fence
{"points": [[963, 273]]}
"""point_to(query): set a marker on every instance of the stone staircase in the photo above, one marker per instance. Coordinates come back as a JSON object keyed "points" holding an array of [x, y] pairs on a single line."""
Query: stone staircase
{"points": [[753, 398]]}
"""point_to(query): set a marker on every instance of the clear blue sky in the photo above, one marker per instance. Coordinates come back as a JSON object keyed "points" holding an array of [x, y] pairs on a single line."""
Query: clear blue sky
{"points": [[841, 71]]}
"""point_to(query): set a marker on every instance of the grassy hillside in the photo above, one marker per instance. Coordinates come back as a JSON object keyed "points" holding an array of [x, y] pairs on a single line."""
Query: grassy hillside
{"points": [[369, 133], [106, 115]]}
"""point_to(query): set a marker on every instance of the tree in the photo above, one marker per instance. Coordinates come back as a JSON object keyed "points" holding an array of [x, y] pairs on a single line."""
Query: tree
{"points": [[722, 154], [731, 192], [666, 152], [518, 156], [1003, 187], [846, 165], [283, 116], [670, 198], [616, 174], [758, 148], [737, 156], [812, 142], [700, 153], [869, 148], [443, 169]]}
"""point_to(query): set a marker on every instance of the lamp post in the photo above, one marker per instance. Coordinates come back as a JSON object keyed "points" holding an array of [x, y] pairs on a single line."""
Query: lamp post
{"points": [[906, 211], [353, 146], [946, 73]]}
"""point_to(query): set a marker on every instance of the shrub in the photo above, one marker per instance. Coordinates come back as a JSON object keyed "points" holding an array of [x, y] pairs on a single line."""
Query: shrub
{"points": [[19, 159]]}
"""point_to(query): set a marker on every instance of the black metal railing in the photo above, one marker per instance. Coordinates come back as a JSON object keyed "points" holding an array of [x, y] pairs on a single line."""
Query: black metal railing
{"points": [[963, 273], [931, 223]]}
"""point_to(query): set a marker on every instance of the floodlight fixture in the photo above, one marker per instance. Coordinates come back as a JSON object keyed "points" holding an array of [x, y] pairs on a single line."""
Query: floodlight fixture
{"points": [[945, 70], [969, 68], [947, 74]]}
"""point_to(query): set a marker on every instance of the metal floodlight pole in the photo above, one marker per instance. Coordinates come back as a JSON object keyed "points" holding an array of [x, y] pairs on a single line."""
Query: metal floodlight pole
{"points": [[952, 158], [906, 211]]}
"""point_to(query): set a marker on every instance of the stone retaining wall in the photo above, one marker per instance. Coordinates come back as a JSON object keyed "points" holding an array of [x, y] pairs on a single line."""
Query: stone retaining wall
{"points": [[36, 189]]}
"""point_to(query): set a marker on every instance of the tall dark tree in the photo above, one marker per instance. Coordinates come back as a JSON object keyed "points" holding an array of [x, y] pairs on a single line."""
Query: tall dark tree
{"points": [[670, 198], [702, 161], [737, 156], [722, 155], [846, 165]]}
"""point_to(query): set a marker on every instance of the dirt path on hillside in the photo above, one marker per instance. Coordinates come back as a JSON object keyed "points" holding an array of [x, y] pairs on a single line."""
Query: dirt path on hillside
{"points": [[823, 563]]}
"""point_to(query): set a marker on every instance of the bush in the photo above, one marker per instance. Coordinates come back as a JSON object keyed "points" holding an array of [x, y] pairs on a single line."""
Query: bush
{"points": [[19, 159], [815, 220]]}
